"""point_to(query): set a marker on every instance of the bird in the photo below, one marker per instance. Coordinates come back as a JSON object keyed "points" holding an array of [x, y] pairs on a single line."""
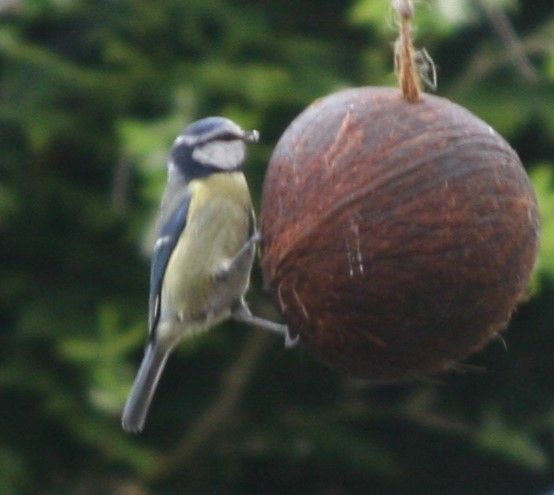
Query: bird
{"points": [[204, 252]]}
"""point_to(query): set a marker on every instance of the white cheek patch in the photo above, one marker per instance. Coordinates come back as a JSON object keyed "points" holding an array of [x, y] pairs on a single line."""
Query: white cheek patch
{"points": [[220, 154]]}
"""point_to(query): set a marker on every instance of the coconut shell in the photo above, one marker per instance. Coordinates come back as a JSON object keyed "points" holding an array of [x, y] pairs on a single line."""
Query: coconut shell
{"points": [[397, 238]]}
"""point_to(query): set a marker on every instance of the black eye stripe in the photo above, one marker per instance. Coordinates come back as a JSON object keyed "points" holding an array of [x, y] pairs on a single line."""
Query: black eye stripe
{"points": [[225, 136], [222, 137]]}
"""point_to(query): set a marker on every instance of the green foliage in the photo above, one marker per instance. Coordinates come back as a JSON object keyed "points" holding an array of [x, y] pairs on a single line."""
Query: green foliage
{"points": [[542, 177], [92, 94], [514, 445]]}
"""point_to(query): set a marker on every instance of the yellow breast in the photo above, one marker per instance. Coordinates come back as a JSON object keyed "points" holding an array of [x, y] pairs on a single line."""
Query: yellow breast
{"points": [[217, 227]]}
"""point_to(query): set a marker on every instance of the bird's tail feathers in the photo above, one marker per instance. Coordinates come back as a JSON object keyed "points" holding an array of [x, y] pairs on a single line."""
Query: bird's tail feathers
{"points": [[146, 381]]}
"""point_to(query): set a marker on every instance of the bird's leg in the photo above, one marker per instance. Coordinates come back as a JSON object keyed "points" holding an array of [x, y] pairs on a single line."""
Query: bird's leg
{"points": [[241, 261], [241, 313]]}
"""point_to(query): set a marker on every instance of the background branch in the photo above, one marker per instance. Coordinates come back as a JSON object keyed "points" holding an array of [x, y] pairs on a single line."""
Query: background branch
{"points": [[507, 34]]}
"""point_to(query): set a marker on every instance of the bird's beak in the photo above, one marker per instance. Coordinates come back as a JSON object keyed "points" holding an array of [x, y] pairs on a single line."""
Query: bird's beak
{"points": [[252, 136]]}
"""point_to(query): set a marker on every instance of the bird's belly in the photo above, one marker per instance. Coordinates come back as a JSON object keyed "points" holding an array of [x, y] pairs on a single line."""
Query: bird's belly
{"points": [[219, 230]]}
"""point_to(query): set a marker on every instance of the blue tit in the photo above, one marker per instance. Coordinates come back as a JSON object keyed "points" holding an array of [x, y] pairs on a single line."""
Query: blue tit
{"points": [[203, 255]]}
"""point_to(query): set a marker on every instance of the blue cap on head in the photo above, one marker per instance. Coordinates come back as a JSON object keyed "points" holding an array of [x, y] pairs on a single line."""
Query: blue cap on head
{"points": [[208, 125]]}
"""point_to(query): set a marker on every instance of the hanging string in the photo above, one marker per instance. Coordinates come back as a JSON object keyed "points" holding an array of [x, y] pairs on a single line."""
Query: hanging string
{"points": [[405, 55]]}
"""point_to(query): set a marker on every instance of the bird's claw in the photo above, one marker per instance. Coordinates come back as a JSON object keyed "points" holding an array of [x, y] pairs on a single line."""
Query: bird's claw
{"points": [[291, 342]]}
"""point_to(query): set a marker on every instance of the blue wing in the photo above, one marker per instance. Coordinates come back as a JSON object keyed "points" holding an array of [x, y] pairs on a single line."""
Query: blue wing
{"points": [[167, 240]]}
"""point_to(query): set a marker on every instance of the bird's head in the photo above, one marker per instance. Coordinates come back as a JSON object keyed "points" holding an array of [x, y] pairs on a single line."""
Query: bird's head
{"points": [[213, 144]]}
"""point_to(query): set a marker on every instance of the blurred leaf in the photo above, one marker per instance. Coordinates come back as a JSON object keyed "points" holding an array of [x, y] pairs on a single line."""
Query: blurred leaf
{"points": [[9, 204], [542, 177], [439, 17], [506, 109], [513, 445], [103, 357], [13, 471]]}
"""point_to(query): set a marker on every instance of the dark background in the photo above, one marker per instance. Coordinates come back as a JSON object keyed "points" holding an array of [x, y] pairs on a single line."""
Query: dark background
{"points": [[92, 93]]}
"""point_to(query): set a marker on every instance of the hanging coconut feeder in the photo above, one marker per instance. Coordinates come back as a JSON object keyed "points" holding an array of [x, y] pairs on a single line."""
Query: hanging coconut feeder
{"points": [[399, 231]]}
